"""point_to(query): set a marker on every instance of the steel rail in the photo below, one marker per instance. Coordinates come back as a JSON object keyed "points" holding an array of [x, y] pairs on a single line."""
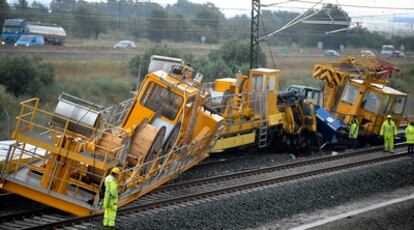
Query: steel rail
{"points": [[277, 167]]}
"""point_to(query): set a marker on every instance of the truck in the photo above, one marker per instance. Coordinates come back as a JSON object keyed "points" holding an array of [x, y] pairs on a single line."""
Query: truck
{"points": [[387, 50], [14, 28]]}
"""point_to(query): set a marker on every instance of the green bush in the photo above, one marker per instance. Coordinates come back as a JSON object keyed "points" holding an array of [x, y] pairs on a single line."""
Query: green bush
{"points": [[236, 54], [25, 75], [212, 69], [8, 110]]}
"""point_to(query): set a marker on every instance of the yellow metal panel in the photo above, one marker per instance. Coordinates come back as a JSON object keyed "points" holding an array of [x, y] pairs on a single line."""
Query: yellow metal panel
{"points": [[47, 199], [231, 142], [223, 84], [276, 119]]}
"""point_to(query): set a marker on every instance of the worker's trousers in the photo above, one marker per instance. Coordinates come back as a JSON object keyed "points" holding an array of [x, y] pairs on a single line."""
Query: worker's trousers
{"points": [[389, 144], [109, 217]]}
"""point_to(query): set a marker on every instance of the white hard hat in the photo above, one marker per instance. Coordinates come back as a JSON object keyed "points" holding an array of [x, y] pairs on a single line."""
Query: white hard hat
{"points": [[388, 116]]}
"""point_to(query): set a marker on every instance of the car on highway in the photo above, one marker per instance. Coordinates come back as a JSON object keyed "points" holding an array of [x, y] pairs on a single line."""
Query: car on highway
{"points": [[331, 53], [367, 53], [398, 53], [30, 40], [125, 44]]}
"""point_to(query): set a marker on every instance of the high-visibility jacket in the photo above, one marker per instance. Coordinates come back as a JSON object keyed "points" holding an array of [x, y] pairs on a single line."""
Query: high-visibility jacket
{"points": [[409, 134], [353, 130], [388, 129], [111, 192]]}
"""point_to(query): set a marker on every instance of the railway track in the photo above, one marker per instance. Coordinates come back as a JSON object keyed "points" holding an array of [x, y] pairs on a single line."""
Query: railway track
{"points": [[205, 189]]}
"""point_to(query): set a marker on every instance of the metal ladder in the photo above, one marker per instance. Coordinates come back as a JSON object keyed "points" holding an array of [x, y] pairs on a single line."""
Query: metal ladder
{"points": [[263, 122], [263, 133]]}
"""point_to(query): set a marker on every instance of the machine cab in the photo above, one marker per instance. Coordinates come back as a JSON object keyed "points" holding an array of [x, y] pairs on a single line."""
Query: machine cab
{"points": [[263, 84], [312, 94], [371, 103], [161, 101]]}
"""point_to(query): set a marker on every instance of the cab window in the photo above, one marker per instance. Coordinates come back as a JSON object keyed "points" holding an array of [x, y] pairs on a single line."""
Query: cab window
{"points": [[162, 100], [386, 104], [350, 94], [313, 95], [371, 102], [258, 82], [398, 107]]}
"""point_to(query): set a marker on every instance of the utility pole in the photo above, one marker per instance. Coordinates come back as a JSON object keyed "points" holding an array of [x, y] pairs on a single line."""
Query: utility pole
{"points": [[254, 34]]}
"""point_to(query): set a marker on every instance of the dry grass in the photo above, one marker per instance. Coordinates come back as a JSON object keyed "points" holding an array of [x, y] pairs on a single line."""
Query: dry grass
{"points": [[142, 44], [296, 70], [101, 81], [76, 71]]}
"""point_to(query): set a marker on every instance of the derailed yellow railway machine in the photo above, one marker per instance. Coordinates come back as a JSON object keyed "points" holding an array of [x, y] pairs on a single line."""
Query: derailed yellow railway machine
{"points": [[357, 86], [162, 131], [257, 114]]}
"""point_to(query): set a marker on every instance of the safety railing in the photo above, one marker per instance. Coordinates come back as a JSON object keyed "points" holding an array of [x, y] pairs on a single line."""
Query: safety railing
{"points": [[22, 163], [167, 164], [237, 107], [114, 115], [37, 124], [208, 86]]}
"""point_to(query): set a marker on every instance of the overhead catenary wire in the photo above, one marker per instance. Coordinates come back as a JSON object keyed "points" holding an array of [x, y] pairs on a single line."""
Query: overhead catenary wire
{"points": [[268, 44], [293, 22]]}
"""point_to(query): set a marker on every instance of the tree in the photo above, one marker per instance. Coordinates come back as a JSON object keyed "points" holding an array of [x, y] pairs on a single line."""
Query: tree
{"points": [[96, 25], [207, 18], [81, 17], [38, 11], [22, 75], [62, 5], [22, 6], [310, 34], [8, 110], [158, 25], [4, 12], [87, 24], [178, 28], [212, 69], [236, 54]]}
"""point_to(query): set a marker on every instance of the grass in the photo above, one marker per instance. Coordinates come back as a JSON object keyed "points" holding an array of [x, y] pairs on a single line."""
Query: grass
{"points": [[76, 70], [101, 81], [296, 71]]}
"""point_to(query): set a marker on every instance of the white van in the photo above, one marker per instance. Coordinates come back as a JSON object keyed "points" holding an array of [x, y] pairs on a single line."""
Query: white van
{"points": [[387, 50]]}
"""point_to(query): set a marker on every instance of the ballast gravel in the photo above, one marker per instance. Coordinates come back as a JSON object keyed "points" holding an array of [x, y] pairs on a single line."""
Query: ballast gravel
{"points": [[255, 209], [234, 161]]}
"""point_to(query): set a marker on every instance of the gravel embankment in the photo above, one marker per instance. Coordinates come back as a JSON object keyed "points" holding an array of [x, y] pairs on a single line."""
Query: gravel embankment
{"points": [[250, 210], [241, 161]]}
